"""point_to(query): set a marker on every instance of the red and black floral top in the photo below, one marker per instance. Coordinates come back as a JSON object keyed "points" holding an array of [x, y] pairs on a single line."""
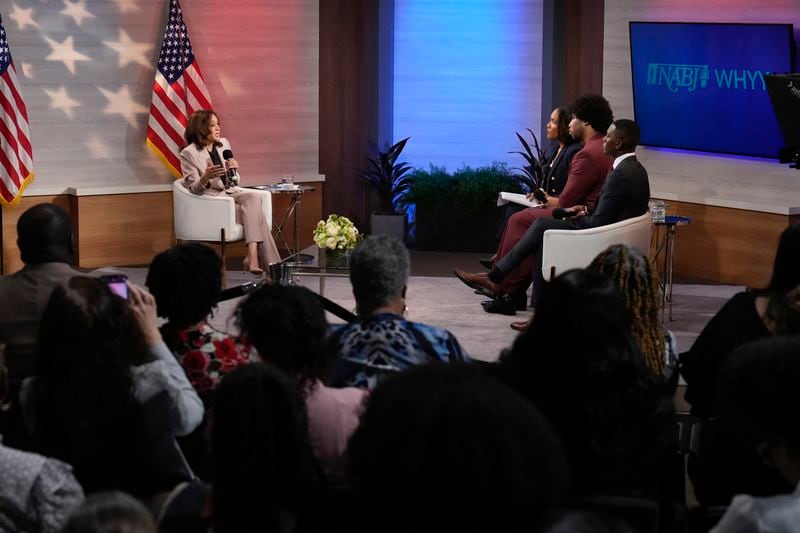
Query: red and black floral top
{"points": [[207, 354]]}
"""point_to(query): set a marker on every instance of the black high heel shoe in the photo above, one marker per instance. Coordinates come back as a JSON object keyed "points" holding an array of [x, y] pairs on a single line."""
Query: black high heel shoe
{"points": [[502, 305]]}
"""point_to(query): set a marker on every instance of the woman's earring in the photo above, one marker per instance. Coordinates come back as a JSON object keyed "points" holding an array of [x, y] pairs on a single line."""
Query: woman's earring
{"points": [[405, 311]]}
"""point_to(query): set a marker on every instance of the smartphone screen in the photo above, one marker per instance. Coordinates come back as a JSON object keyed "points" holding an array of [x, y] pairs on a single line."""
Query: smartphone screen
{"points": [[117, 283]]}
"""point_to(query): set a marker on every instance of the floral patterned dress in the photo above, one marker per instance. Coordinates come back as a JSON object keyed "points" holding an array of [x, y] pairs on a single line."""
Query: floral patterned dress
{"points": [[207, 354]]}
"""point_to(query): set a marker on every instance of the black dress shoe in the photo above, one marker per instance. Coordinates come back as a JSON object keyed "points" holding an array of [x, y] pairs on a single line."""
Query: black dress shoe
{"points": [[520, 301], [486, 263], [502, 305]]}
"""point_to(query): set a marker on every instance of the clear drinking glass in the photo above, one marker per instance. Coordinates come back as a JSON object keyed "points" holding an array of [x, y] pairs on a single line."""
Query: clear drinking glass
{"points": [[658, 211]]}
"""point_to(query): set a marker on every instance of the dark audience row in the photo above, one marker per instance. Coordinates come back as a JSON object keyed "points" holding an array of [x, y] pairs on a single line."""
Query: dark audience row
{"points": [[381, 424]]}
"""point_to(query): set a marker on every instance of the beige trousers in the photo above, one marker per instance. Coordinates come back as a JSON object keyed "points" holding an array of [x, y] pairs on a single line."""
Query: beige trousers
{"points": [[251, 217]]}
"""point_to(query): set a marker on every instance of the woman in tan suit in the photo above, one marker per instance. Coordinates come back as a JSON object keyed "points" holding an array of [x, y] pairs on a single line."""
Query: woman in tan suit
{"points": [[205, 172]]}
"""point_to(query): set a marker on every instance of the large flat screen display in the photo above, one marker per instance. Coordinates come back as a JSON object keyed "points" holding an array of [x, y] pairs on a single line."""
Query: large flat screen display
{"points": [[700, 86]]}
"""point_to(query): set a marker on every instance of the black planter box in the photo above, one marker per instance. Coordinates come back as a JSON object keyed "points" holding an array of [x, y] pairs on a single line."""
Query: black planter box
{"points": [[447, 227]]}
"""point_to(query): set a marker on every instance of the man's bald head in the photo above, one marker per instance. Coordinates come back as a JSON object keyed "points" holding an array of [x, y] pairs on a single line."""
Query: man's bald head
{"points": [[44, 234]]}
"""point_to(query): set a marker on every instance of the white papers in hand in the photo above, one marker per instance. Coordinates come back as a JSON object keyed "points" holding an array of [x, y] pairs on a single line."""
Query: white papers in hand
{"points": [[516, 198]]}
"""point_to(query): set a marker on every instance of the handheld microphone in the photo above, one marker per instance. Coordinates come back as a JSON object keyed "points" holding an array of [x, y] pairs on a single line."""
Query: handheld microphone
{"points": [[232, 174], [560, 213]]}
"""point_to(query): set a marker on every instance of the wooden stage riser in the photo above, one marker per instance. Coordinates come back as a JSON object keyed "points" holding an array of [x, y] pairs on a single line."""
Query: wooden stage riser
{"points": [[720, 245], [130, 229], [726, 245]]}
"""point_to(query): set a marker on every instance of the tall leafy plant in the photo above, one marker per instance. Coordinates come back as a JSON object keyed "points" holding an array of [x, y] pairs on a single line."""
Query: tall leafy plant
{"points": [[533, 172], [389, 178]]}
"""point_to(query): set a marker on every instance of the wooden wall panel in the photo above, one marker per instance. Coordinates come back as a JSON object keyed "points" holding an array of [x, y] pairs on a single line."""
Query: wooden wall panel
{"points": [[583, 48], [348, 101], [727, 245], [123, 229]]}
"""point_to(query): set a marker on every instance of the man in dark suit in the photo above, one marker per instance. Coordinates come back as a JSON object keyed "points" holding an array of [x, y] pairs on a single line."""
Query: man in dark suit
{"points": [[625, 194], [47, 246]]}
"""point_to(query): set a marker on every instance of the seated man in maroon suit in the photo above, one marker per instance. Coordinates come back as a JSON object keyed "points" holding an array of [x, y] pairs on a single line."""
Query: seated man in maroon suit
{"points": [[591, 117]]}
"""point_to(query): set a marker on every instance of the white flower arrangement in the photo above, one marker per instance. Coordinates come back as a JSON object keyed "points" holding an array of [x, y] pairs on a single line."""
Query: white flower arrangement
{"points": [[336, 233]]}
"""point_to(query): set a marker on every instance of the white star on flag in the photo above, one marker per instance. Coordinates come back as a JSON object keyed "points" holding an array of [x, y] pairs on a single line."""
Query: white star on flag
{"points": [[65, 52], [99, 148], [127, 6], [121, 103], [23, 17], [76, 10], [60, 100], [129, 50]]}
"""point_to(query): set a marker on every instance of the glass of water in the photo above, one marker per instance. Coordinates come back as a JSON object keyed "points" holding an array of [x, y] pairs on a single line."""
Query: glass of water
{"points": [[658, 211]]}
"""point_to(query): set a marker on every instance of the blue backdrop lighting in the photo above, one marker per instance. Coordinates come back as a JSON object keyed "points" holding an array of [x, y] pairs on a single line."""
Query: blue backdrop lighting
{"points": [[467, 75]]}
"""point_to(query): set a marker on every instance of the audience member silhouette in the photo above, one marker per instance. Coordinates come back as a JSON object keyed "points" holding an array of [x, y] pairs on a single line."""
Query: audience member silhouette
{"points": [[381, 341], [759, 401], [787, 319], [186, 282], [448, 448], [47, 246], [111, 512], [36, 493], [263, 472], [579, 365], [747, 316], [637, 281], [287, 325], [108, 397]]}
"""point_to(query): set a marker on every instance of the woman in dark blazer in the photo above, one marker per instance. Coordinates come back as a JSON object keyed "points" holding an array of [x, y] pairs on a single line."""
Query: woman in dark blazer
{"points": [[559, 157]]}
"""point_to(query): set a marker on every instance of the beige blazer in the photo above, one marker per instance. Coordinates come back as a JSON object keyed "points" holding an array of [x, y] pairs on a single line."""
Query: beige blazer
{"points": [[193, 165]]}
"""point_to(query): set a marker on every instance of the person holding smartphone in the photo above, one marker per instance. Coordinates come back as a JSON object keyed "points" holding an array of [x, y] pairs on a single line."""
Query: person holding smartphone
{"points": [[108, 396], [205, 172]]}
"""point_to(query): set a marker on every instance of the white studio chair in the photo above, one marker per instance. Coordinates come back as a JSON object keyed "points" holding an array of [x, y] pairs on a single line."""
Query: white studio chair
{"points": [[208, 218], [564, 250]]}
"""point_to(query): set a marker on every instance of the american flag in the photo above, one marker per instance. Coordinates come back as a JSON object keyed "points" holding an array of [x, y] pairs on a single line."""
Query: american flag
{"points": [[16, 155], [178, 91]]}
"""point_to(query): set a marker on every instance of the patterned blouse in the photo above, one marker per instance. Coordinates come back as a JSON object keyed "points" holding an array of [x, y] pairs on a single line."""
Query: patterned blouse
{"points": [[376, 345], [36, 493], [207, 354]]}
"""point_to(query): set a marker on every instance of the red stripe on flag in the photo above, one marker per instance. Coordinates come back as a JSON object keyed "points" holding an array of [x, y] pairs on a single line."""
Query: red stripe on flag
{"points": [[169, 103], [170, 156], [12, 144], [7, 195], [197, 93], [166, 126], [180, 94], [11, 171], [18, 97], [10, 110]]}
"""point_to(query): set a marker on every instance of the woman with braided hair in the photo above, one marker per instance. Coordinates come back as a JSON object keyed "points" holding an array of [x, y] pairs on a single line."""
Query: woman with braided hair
{"points": [[637, 281]]}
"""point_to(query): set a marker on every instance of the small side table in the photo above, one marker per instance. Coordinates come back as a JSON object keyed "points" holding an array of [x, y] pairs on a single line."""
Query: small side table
{"points": [[317, 267], [293, 211], [665, 253]]}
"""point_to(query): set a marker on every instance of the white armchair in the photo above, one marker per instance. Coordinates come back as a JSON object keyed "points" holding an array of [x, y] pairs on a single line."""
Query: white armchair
{"points": [[563, 250], [210, 218]]}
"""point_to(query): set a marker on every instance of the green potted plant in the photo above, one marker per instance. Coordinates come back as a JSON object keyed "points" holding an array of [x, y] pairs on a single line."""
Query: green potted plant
{"points": [[458, 211], [532, 173], [391, 182]]}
